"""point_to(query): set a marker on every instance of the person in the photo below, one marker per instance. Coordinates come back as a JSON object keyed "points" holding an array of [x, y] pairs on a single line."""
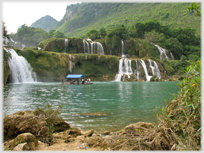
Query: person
{"points": [[86, 81], [78, 80], [82, 80], [62, 81], [89, 80]]}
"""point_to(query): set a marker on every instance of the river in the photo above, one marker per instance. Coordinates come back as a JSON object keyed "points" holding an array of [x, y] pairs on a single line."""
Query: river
{"points": [[117, 104]]}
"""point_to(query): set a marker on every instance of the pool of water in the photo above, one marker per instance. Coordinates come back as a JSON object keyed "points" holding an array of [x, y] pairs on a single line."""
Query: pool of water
{"points": [[118, 103]]}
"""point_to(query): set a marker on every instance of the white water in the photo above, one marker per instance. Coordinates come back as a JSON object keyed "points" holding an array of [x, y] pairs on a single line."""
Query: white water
{"points": [[124, 69], [97, 46], [66, 44], [21, 71], [137, 73], [123, 55], [163, 53], [86, 47], [155, 68], [70, 63], [145, 70]]}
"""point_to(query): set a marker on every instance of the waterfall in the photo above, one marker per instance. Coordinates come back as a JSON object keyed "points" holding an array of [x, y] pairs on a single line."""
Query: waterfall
{"points": [[123, 55], [92, 47], [124, 69], [21, 71], [66, 45], [163, 53], [70, 63], [137, 71], [86, 47], [145, 70], [100, 48], [97, 46], [155, 68]]}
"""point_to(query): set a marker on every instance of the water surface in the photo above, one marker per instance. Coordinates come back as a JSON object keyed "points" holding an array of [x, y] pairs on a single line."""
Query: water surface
{"points": [[119, 103]]}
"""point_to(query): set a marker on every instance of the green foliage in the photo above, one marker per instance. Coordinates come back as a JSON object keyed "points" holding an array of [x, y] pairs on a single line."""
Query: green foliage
{"points": [[50, 115], [46, 23], [31, 36], [183, 114], [195, 7]]}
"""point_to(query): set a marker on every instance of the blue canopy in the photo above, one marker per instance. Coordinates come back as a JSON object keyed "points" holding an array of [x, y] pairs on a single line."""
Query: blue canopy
{"points": [[74, 76]]}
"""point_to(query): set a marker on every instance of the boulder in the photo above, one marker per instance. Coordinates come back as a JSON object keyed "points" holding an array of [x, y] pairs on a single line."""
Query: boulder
{"points": [[24, 141], [87, 133], [21, 147], [22, 122]]}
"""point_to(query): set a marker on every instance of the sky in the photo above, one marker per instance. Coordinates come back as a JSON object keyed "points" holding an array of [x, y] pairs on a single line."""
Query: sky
{"points": [[15, 14]]}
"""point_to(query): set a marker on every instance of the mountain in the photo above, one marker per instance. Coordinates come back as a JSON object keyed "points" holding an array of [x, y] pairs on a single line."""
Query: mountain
{"points": [[80, 18], [46, 23]]}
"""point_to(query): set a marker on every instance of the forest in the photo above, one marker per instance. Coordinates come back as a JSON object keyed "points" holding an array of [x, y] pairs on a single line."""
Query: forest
{"points": [[179, 41]]}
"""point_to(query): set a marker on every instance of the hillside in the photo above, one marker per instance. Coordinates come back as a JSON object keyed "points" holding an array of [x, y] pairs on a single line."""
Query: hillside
{"points": [[46, 23], [80, 18]]}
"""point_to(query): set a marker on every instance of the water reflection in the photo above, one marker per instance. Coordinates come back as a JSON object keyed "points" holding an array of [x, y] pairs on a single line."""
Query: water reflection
{"points": [[122, 102]]}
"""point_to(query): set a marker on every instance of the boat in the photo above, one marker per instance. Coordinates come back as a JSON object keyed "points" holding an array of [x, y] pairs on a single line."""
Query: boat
{"points": [[72, 80]]}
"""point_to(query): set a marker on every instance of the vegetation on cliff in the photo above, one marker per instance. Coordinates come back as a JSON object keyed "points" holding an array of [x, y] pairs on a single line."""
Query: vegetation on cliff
{"points": [[46, 23], [54, 66], [30, 36], [78, 21]]}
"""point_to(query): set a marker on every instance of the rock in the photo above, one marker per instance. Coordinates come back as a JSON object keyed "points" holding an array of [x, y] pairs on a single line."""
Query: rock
{"points": [[95, 140], [106, 132], [80, 138], [22, 122], [74, 132], [61, 126], [24, 141], [21, 147], [88, 133]]}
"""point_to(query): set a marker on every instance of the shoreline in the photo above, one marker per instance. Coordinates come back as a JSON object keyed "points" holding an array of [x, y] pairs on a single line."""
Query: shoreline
{"points": [[69, 138]]}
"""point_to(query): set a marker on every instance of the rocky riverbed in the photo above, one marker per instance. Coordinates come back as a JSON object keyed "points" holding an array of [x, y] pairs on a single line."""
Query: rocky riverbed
{"points": [[27, 131]]}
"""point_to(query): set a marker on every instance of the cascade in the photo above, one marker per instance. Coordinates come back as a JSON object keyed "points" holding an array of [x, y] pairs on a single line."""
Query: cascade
{"points": [[155, 68], [124, 69], [137, 71], [123, 55], [164, 53], [86, 44], [100, 48], [92, 45], [145, 70], [21, 71], [70, 63], [97, 46], [66, 45]]}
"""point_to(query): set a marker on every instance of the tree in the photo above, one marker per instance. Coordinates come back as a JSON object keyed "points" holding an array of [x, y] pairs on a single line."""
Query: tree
{"points": [[194, 8], [93, 34], [58, 34], [102, 32]]}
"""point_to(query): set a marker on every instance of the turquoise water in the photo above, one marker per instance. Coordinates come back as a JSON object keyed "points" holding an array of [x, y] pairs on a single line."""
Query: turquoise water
{"points": [[120, 103]]}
